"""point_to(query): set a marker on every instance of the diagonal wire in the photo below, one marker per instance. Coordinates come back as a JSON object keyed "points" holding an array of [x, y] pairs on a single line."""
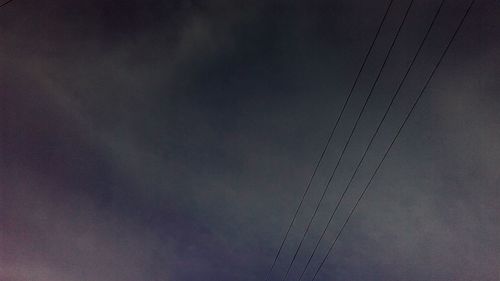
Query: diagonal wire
{"points": [[329, 138], [5, 3], [349, 139], [374, 135], [395, 137]]}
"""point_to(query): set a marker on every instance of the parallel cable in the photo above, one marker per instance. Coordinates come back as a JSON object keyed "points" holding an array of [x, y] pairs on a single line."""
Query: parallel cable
{"points": [[394, 140], [5, 3], [348, 139], [373, 136], [329, 138]]}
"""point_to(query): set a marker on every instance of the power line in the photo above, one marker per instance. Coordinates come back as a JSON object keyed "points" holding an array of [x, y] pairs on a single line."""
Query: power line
{"points": [[329, 138], [394, 140], [373, 136], [5, 3], [349, 138]]}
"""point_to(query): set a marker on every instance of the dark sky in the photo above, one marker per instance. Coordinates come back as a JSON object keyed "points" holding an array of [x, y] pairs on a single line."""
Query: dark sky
{"points": [[171, 140]]}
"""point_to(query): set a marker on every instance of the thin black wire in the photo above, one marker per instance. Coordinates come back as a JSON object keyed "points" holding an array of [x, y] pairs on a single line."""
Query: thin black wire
{"points": [[5, 3], [374, 135], [349, 139], [329, 138], [395, 138]]}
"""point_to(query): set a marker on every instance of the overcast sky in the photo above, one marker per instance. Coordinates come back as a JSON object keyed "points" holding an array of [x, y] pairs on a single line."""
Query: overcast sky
{"points": [[171, 140]]}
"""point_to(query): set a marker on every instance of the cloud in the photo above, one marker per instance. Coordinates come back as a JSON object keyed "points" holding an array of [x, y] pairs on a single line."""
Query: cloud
{"points": [[50, 233]]}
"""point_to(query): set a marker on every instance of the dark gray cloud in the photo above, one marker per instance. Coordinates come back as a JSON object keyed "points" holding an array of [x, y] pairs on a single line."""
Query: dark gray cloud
{"points": [[171, 140]]}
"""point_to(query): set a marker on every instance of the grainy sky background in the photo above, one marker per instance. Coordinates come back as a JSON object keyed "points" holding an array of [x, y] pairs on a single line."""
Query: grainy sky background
{"points": [[171, 140]]}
